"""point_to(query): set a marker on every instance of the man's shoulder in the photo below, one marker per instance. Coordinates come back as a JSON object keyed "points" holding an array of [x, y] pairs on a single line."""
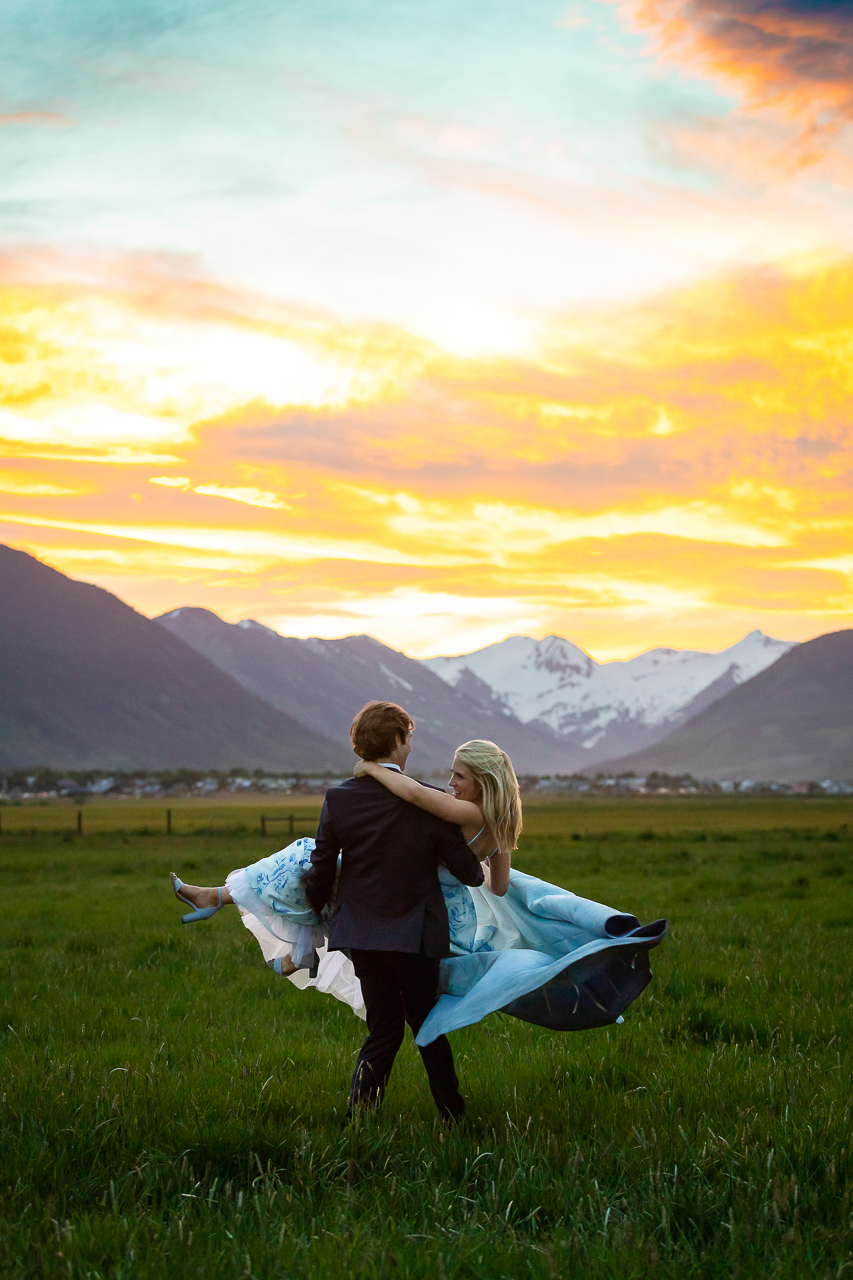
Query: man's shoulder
{"points": [[346, 785], [434, 816], [355, 784], [342, 789], [432, 819], [351, 787]]}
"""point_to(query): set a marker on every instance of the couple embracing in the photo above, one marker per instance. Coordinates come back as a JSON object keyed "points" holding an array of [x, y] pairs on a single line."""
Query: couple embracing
{"points": [[406, 908], [370, 887]]}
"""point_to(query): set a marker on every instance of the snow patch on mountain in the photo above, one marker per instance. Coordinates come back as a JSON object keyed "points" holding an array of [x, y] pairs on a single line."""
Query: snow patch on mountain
{"points": [[604, 705]]}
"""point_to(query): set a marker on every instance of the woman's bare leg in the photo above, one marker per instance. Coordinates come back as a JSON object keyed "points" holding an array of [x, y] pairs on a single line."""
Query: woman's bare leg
{"points": [[201, 896], [208, 896]]}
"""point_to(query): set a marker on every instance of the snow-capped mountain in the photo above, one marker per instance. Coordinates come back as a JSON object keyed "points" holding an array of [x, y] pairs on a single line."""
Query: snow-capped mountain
{"points": [[607, 708]]}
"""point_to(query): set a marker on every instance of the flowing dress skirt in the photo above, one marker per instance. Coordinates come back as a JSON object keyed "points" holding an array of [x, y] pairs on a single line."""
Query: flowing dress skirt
{"points": [[540, 953]]}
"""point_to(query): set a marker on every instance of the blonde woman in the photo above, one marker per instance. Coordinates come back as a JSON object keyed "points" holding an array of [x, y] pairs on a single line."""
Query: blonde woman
{"points": [[484, 801]]}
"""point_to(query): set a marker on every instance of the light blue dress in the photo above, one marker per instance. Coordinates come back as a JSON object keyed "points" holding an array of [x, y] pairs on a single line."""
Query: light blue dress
{"points": [[271, 891], [540, 953]]}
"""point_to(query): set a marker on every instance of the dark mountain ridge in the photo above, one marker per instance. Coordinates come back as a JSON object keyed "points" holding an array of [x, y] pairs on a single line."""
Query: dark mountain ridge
{"points": [[322, 683], [792, 722], [87, 682]]}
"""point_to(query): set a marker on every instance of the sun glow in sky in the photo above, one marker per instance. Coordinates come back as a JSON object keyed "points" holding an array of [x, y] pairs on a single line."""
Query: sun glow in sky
{"points": [[441, 323]]}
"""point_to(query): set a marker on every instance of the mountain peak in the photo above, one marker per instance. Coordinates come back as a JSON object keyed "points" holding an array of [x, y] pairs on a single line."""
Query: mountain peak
{"points": [[194, 612], [249, 624], [757, 642]]}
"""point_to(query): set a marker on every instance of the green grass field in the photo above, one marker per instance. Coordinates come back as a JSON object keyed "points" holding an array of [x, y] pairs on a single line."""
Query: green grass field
{"points": [[169, 1108]]}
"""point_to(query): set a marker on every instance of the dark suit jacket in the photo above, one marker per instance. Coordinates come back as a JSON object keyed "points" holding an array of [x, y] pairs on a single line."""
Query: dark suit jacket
{"points": [[389, 896]]}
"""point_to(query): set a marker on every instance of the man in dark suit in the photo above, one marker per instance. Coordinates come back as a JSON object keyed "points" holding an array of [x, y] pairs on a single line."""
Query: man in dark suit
{"points": [[389, 913]]}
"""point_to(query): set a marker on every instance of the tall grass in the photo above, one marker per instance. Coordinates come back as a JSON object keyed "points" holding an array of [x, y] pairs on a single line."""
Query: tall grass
{"points": [[169, 1108]]}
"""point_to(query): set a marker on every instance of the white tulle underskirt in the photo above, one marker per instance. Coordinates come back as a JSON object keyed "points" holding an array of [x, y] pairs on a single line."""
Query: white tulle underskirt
{"points": [[278, 936]]}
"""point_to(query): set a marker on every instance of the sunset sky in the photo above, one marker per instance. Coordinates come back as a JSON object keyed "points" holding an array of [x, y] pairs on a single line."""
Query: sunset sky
{"points": [[440, 322]]}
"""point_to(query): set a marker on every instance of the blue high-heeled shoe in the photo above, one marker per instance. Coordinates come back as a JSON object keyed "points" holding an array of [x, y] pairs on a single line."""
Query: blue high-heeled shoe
{"points": [[277, 966], [200, 913]]}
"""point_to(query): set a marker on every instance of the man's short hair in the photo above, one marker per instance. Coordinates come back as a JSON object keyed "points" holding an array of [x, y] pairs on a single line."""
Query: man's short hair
{"points": [[377, 729]]}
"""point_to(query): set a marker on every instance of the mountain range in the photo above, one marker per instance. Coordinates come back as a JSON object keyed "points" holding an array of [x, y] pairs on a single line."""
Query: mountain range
{"points": [[322, 683], [87, 682], [732, 714], [605, 709]]}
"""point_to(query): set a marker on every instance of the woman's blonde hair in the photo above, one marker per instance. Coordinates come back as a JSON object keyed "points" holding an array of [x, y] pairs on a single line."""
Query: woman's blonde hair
{"points": [[500, 797]]}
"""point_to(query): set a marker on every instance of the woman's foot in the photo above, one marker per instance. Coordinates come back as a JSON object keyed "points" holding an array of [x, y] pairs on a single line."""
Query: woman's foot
{"points": [[283, 965], [202, 896]]}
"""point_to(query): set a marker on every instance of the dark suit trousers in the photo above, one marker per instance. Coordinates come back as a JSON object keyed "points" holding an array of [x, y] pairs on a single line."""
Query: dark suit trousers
{"points": [[400, 988]]}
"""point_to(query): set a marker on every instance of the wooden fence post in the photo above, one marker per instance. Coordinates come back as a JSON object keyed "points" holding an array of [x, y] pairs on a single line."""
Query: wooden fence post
{"points": [[168, 822], [79, 822], [263, 825]]}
